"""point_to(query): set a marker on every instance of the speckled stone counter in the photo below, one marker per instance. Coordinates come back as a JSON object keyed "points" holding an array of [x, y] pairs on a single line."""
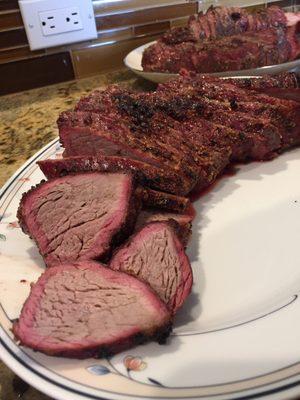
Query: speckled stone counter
{"points": [[28, 119], [27, 123]]}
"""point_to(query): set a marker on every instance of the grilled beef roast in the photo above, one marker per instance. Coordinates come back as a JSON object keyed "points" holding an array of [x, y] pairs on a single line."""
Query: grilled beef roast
{"points": [[284, 114], [231, 53], [79, 217], [156, 256], [220, 22], [85, 309], [184, 221], [164, 179], [226, 39]]}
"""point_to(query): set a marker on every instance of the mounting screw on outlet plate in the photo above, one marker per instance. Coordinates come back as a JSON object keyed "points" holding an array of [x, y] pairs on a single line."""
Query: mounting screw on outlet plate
{"points": [[51, 23]]}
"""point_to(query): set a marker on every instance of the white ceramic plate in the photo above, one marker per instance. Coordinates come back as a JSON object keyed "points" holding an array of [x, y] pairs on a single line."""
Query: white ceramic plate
{"points": [[133, 61], [237, 336]]}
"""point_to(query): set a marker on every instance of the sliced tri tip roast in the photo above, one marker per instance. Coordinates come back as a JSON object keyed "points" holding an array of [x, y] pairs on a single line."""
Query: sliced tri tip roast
{"points": [[129, 160]]}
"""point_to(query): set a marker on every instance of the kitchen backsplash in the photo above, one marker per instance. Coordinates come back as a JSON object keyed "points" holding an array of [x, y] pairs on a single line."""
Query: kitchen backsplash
{"points": [[122, 25]]}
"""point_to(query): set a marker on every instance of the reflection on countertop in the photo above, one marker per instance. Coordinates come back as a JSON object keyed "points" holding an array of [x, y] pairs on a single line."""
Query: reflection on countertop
{"points": [[28, 119]]}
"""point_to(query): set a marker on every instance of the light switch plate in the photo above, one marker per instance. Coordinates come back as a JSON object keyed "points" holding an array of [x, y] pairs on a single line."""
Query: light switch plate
{"points": [[51, 23]]}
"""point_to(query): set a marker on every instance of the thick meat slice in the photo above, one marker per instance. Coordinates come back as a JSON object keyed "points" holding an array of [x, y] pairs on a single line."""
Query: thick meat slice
{"points": [[79, 217], [184, 221], [164, 179], [156, 256], [85, 309]]}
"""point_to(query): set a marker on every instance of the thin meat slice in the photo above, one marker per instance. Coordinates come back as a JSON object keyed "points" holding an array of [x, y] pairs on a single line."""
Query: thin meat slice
{"points": [[149, 197], [284, 86], [156, 256], [79, 217], [84, 309], [184, 221], [163, 179]]}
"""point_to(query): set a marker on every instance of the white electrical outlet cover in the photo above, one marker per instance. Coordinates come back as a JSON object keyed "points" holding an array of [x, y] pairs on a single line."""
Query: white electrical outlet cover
{"points": [[50, 23]]}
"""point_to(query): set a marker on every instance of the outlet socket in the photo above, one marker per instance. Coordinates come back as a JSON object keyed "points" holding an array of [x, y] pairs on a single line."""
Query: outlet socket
{"points": [[60, 21], [51, 23]]}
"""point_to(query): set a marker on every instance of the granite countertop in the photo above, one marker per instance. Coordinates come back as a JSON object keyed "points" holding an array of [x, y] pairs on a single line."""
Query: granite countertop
{"points": [[27, 123]]}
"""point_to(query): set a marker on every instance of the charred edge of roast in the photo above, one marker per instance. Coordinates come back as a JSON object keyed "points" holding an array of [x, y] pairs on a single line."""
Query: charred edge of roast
{"points": [[165, 201]]}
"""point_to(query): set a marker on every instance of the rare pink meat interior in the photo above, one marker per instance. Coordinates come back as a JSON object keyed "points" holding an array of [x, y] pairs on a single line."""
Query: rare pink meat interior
{"points": [[79, 217], [156, 256], [85, 309]]}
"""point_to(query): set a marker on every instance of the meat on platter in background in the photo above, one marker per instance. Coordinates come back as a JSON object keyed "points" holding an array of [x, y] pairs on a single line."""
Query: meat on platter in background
{"points": [[227, 39]]}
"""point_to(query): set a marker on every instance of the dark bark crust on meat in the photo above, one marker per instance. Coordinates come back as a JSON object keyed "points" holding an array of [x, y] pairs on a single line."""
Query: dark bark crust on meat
{"points": [[149, 197], [163, 179], [161, 335], [232, 53], [154, 199], [20, 215]]}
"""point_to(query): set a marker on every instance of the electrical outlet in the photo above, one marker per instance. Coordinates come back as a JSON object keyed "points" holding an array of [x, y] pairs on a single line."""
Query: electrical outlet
{"points": [[51, 23], [60, 21]]}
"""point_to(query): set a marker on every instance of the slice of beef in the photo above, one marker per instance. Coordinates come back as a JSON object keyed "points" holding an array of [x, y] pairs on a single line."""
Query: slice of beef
{"points": [[156, 256], [84, 309], [79, 217], [184, 221], [285, 80], [91, 134], [284, 86], [154, 130], [164, 179], [284, 114], [152, 141]]}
